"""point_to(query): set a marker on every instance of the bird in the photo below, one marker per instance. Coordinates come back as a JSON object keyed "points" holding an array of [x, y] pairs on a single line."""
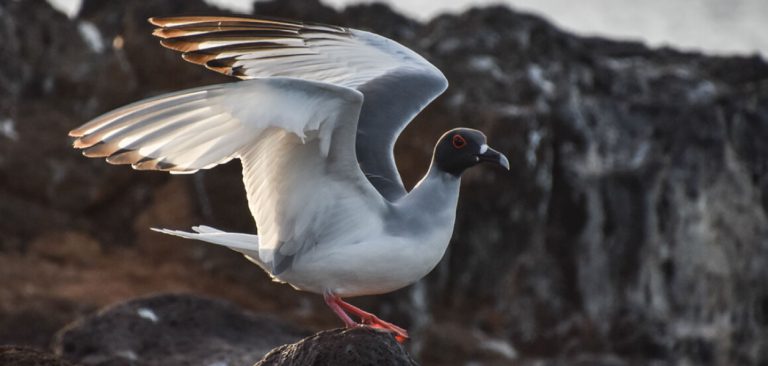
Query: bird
{"points": [[313, 120]]}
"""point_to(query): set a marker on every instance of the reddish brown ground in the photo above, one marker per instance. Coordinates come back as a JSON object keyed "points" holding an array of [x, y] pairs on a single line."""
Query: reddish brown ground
{"points": [[67, 275]]}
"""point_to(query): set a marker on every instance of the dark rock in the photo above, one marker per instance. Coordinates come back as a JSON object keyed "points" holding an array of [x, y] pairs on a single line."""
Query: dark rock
{"points": [[633, 221], [298, 9], [35, 322], [339, 347], [633, 226], [173, 330], [25, 356]]}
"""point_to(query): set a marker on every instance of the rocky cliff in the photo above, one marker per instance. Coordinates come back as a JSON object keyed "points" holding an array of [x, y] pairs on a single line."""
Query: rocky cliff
{"points": [[631, 229]]}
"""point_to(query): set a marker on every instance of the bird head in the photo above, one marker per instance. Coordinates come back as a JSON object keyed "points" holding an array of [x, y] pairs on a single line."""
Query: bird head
{"points": [[462, 148]]}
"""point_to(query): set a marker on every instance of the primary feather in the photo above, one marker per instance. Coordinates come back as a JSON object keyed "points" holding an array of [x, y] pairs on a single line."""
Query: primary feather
{"points": [[294, 137], [397, 83]]}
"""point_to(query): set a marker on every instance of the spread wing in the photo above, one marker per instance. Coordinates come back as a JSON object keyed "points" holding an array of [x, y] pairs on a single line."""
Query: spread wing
{"points": [[397, 82], [295, 139]]}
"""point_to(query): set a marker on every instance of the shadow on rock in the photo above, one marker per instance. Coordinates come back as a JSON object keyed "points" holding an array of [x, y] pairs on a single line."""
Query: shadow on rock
{"points": [[173, 329], [25, 356]]}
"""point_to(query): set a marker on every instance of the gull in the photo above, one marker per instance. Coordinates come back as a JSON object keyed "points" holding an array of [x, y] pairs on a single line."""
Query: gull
{"points": [[313, 121]]}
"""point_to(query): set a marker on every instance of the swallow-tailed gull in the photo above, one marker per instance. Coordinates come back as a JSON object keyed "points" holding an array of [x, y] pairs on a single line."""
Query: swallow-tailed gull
{"points": [[313, 122]]}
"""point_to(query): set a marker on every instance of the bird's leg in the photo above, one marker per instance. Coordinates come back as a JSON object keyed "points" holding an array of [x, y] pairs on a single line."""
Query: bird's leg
{"points": [[340, 307], [333, 302], [372, 320]]}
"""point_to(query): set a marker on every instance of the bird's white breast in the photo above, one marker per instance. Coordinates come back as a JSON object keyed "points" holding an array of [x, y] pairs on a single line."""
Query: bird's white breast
{"points": [[395, 249], [382, 264]]}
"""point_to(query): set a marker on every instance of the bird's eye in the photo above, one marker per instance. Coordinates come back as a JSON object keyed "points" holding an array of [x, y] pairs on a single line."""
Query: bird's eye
{"points": [[458, 141]]}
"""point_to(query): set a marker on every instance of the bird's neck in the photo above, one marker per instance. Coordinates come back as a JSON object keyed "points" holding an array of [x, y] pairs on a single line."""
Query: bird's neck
{"points": [[437, 192]]}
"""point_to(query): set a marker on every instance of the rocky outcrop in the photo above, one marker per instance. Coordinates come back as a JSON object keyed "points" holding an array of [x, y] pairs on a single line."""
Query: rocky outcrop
{"points": [[178, 329], [340, 347], [24, 356], [634, 223], [173, 330], [631, 229]]}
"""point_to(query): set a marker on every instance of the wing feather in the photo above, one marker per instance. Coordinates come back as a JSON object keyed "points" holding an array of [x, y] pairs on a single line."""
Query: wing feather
{"points": [[198, 128], [397, 82], [295, 139]]}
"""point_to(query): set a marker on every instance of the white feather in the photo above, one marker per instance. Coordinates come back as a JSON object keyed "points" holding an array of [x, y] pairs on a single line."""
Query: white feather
{"points": [[296, 142], [246, 244], [199, 128]]}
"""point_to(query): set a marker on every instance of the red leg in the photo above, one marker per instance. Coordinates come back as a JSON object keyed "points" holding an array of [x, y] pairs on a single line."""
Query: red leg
{"points": [[333, 302], [372, 320]]}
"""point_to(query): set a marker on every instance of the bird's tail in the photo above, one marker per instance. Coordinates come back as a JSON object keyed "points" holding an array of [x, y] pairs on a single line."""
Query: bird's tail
{"points": [[247, 244]]}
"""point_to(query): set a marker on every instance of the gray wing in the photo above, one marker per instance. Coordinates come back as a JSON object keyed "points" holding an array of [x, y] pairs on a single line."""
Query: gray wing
{"points": [[396, 82], [390, 104], [295, 140]]}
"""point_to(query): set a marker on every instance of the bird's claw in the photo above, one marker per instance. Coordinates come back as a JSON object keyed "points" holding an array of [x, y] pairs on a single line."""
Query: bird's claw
{"points": [[401, 335], [366, 319]]}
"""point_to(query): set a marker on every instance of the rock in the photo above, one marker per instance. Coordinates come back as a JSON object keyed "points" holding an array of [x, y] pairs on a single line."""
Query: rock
{"points": [[454, 339], [39, 94], [171, 207], [631, 228], [173, 330], [25, 356], [633, 222], [340, 347], [32, 320], [66, 246]]}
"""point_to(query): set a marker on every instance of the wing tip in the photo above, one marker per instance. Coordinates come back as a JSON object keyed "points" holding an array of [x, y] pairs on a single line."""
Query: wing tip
{"points": [[77, 132], [179, 45], [197, 58], [88, 153], [80, 144], [172, 21], [159, 32], [225, 66]]}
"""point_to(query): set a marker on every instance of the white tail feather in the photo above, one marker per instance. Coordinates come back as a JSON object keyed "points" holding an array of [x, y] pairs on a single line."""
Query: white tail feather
{"points": [[248, 244]]}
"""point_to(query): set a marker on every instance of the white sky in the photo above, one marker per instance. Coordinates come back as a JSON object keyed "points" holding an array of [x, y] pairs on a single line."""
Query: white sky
{"points": [[714, 26]]}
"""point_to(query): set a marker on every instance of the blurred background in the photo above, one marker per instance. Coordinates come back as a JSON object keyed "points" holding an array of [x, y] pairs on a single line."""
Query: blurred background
{"points": [[714, 26], [631, 230]]}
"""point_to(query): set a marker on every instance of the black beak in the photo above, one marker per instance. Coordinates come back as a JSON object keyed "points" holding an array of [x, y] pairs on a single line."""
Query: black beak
{"points": [[493, 156]]}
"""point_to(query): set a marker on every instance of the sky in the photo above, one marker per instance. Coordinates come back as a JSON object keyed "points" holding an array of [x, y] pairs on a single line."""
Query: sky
{"points": [[711, 26]]}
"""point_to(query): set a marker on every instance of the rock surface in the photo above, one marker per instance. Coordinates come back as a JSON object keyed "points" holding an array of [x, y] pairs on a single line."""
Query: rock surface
{"points": [[340, 347], [631, 230], [173, 330], [24, 356]]}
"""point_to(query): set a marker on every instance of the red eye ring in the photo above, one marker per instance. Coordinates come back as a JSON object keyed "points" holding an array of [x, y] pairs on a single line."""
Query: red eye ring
{"points": [[458, 141]]}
